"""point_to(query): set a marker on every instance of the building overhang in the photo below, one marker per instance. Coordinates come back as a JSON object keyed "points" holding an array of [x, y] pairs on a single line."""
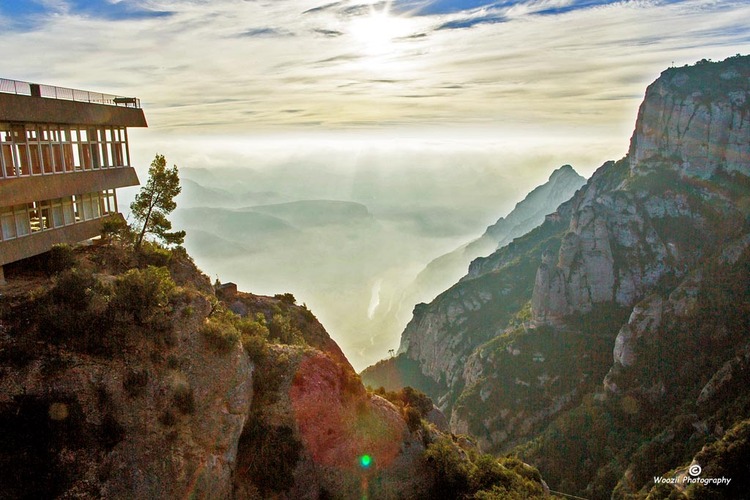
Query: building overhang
{"points": [[19, 190], [40, 242], [31, 109]]}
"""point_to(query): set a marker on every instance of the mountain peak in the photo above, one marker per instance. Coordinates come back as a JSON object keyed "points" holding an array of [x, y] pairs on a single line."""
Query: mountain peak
{"points": [[565, 170]]}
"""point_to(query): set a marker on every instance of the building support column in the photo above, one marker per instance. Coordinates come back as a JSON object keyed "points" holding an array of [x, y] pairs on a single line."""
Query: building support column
{"points": [[2, 277]]}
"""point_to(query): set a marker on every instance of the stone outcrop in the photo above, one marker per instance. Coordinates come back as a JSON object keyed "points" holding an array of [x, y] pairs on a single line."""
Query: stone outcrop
{"points": [[698, 117], [155, 413], [616, 247], [307, 435]]}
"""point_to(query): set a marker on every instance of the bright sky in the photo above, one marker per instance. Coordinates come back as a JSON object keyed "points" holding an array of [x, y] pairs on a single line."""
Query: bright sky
{"points": [[472, 67]]}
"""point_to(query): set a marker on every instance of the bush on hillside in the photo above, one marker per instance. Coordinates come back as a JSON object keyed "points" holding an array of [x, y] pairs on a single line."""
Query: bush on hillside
{"points": [[143, 296]]}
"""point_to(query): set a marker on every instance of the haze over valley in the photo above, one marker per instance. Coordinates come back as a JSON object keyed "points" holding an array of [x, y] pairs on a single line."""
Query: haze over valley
{"points": [[348, 237]]}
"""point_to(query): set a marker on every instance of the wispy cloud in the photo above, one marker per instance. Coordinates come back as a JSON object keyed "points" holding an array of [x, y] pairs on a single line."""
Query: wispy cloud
{"points": [[225, 64]]}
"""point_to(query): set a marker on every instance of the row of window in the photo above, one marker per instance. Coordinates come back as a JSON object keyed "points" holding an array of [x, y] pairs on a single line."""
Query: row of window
{"points": [[28, 218], [47, 149]]}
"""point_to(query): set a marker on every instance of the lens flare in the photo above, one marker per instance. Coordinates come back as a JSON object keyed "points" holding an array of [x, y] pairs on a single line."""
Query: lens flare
{"points": [[365, 461]]}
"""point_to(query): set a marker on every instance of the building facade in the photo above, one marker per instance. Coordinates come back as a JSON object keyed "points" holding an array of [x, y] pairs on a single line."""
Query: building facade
{"points": [[63, 153]]}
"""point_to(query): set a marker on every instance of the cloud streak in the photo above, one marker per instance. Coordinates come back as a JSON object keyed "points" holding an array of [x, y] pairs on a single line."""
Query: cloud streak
{"points": [[227, 65]]}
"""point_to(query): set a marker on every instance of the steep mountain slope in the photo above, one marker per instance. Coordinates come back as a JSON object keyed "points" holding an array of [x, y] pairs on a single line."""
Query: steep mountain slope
{"points": [[527, 214], [607, 344]]}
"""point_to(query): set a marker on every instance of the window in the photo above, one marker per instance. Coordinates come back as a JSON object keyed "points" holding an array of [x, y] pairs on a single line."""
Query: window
{"points": [[21, 216], [44, 215], [96, 211], [86, 208], [8, 223], [19, 149], [68, 210], [32, 140], [8, 162], [109, 202], [57, 214]]}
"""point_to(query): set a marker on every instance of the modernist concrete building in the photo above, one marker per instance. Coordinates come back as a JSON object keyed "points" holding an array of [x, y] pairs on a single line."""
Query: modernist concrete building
{"points": [[63, 152]]}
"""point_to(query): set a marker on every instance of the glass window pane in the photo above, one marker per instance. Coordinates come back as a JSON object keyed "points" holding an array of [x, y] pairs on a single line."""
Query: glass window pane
{"points": [[23, 227], [8, 224], [68, 214]]}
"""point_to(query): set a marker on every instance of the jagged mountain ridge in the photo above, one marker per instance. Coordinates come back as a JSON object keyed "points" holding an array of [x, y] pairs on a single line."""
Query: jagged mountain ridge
{"points": [[526, 215], [572, 322]]}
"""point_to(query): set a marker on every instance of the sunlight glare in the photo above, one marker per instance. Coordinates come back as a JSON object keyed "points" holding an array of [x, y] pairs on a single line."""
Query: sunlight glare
{"points": [[377, 31]]}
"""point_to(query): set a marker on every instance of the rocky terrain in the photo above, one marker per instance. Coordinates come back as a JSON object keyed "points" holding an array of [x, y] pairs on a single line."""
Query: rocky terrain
{"points": [[607, 345], [125, 375]]}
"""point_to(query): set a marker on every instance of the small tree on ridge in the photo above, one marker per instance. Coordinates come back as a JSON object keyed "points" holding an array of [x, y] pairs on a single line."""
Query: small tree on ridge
{"points": [[155, 201]]}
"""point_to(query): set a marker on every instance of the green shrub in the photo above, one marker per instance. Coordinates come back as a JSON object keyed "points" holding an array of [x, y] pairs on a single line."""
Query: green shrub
{"points": [[144, 296], [116, 229], [267, 456], [283, 331], [254, 335], [255, 347], [152, 254], [461, 473], [451, 466], [220, 334], [408, 397], [188, 312], [76, 312], [413, 419], [307, 314], [286, 298]]}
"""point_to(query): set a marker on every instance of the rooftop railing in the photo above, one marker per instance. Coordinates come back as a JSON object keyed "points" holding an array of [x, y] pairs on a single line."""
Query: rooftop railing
{"points": [[51, 92]]}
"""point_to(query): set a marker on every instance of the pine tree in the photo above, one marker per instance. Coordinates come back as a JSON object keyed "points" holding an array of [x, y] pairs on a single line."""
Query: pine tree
{"points": [[155, 202]]}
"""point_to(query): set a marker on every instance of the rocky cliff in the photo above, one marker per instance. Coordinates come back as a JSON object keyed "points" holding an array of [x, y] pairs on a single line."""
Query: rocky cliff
{"points": [[123, 375], [599, 338]]}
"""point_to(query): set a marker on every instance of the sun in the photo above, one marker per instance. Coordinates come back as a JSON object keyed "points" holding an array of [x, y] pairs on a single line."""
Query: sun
{"points": [[377, 31]]}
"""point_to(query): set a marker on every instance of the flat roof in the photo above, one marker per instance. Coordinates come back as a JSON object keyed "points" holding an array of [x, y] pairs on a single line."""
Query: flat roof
{"points": [[25, 102], [19, 87]]}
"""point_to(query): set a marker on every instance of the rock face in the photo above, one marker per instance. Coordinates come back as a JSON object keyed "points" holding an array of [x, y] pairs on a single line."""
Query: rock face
{"points": [[626, 308], [531, 211], [606, 222], [442, 335], [118, 427], [693, 122], [698, 119], [307, 435]]}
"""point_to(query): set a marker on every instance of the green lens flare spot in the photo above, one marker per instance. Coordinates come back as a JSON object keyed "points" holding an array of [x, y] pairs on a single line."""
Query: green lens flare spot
{"points": [[365, 461]]}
